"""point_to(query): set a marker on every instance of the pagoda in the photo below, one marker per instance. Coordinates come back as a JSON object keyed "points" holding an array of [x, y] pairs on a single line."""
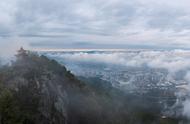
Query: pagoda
{"points": [[21, 52]]}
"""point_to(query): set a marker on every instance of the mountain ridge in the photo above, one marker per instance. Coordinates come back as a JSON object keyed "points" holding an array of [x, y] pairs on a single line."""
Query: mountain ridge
{"points": [[38, 90]]}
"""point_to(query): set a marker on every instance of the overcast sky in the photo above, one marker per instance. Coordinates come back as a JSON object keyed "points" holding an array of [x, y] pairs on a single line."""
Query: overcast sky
{"points": [[96, 23]]}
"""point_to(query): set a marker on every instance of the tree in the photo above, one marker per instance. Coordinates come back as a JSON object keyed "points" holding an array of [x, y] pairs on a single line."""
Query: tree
{"points": [[9, 110]]}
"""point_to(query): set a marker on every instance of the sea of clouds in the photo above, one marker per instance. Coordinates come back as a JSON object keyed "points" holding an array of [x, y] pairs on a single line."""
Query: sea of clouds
{"points": [[174, 61]]}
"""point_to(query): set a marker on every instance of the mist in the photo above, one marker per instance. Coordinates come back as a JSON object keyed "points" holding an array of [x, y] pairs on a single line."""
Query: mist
{"points": [[175, 62], [9, 48]]}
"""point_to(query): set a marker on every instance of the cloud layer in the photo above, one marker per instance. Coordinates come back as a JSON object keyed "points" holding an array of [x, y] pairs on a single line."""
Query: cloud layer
{"points": [[175, 62], [69, 22]]}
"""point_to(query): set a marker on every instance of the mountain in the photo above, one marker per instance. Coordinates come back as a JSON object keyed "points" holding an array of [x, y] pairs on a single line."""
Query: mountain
{"points": [[37, 90]]}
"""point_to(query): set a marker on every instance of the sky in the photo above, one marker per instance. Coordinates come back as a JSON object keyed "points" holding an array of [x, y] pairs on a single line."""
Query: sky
{"points": [[96, 23]]}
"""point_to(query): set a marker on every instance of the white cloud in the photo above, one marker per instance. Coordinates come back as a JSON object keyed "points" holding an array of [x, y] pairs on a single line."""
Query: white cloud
{"points": [[186, 103], [138, 22], [186, 109], [173, 61]]}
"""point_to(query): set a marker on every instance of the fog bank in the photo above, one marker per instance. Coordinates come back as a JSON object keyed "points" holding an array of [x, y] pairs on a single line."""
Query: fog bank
{"points": [[9, 48]]}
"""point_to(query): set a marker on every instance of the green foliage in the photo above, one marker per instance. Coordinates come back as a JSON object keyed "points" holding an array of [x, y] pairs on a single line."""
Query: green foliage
{"points": [[18, 107], [9, 110], [20, 96], [169, 121]]}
